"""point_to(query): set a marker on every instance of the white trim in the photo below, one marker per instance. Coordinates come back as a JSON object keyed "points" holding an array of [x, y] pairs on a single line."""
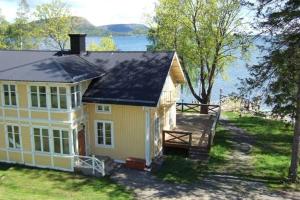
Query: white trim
{"points": [[147, 137], [104, 138]]}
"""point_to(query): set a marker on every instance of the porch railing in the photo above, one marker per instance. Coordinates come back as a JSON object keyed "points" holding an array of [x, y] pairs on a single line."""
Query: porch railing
{"points": [[178, 138], [90, 162], [195, 107]]}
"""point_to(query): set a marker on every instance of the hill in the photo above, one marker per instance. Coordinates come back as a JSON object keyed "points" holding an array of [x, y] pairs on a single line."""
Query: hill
{"points": [[82, 25]]}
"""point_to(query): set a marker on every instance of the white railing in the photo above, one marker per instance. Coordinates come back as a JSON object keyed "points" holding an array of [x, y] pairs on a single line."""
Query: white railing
{"points": [[90, 162]]}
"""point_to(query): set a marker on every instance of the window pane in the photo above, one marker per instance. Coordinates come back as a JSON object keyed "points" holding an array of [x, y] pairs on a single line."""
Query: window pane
{"points": [[100, 140], [53, 90], [5, 88], [33, 89], [12, 88], [46, 144], [10, 140], [37, 143], [73, 100], [45, 132], [36, 131], [66, 146], [65, 134], [56, 133], [106, 108], [78, 98], [6, 98], [77, 88], [62, 90], [108, 141], [17, 141], [54, 103], [34, 100], [57, 145], [42, 89], [16, 129], [43, 101], [100, 127], [13, 99], [9, 129], [100, 108], [72, 89], [63, 101]]}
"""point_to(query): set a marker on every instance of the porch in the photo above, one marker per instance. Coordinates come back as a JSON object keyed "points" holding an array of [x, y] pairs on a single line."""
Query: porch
{"points": [[194, 132]]}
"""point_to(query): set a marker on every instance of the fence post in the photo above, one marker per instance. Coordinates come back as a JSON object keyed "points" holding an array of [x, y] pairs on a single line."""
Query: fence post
{"points": [[93, 163], [182, 105]]}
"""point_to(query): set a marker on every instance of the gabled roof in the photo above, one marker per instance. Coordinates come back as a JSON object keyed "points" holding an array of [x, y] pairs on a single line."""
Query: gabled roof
{"points": [[45, 66], [131, 78]]}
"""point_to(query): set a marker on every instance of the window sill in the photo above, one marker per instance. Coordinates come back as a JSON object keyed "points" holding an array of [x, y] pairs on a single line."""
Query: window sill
{"points": [[14, 149]]}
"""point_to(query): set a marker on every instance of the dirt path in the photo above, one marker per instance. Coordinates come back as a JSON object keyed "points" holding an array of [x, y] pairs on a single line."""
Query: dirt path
{"points": [[219, 187]]}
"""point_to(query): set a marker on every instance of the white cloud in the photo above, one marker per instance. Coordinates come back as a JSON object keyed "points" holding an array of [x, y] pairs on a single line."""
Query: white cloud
{"points": [[98, 12]]}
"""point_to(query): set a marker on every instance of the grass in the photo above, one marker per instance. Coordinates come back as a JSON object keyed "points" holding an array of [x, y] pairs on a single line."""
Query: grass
{"points": [[270, 155], [178, 169], [19, 182]]}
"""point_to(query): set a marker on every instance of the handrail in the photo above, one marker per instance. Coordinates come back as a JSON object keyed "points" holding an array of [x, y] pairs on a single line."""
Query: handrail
{"points": [[195, 107], [90, 162], [179, 138]]}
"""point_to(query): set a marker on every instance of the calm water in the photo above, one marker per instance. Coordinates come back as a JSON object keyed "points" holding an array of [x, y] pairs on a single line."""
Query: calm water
{"points": [[228, 83]]}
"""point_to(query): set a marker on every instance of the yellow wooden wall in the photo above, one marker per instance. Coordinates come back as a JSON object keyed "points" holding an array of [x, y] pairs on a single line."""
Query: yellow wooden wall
{"points": [[129, 131]]}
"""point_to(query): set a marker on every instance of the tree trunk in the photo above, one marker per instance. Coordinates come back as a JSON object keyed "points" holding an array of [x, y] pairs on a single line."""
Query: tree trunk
{"points": [[204, 108], [296, 139]]}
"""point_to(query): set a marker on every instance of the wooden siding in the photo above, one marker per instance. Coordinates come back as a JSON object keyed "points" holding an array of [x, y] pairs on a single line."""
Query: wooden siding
{"points": [[129, 131]]}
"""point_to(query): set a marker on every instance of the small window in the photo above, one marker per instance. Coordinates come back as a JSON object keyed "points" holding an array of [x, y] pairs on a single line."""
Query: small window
{"points": [[10, 95], [61, 142], [13, 135], [104, 135], [41, 140], [58, 97], [75, 96], [38, 96], [104, 108]]}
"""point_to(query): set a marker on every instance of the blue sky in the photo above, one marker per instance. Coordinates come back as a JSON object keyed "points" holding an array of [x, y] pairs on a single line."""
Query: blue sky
{"points": [[98, 12]]}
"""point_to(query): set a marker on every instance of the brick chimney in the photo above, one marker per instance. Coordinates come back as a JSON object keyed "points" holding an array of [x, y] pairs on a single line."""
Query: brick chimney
{"points": [[77, 43]]}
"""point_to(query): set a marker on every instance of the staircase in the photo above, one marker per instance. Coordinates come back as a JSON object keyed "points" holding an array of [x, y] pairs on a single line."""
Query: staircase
{"points": [[198, 153]]}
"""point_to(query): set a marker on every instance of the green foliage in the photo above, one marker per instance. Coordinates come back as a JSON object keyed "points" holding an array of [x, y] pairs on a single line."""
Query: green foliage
{"points": [[204, 33], [3, 29], [106, 44], [54, 22], [18, 182]]}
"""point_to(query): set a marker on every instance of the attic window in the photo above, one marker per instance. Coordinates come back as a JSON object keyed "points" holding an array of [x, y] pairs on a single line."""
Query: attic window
{"points": [[103, 108]]}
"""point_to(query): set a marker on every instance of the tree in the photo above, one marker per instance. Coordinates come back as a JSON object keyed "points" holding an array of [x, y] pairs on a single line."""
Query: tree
{"points": [[55, 22], [106, 44], [204, 33], [3, 29], [21, 34], [277, 76]]}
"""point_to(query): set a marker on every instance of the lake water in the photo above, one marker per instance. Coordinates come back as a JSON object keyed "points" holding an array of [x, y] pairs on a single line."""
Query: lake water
{"points": [[228, 84]]}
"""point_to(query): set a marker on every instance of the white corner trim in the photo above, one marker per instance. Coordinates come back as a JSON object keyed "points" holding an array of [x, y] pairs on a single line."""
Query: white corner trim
{"points": [[147, 138]]}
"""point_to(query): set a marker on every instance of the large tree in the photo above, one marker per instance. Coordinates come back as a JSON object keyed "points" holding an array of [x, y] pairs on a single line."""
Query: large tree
{"points": [[3, 29], [55, 22], [277, 76], [106, 44], [21, 34], [206, 35]]}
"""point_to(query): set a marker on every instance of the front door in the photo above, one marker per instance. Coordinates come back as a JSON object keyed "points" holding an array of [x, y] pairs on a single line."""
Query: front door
{"points": [[81, 143]]}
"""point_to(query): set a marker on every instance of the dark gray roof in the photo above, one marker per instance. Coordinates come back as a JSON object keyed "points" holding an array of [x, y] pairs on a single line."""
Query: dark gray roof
{"points": [[45, 66], [131, 78]]}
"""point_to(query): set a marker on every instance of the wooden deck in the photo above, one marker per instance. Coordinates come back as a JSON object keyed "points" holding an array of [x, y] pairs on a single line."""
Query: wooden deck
{"points": [[194, 131]]}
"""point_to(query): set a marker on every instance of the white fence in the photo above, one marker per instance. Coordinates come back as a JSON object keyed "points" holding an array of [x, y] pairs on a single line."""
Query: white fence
{"points": [[90, 162]]}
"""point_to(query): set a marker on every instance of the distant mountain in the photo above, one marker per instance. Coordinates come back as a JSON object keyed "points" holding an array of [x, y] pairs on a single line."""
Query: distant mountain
{"points": [[82, 25]]}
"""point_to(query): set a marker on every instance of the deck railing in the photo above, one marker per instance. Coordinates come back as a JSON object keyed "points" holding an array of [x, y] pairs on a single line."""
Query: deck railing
{"points": [[195, 107], [177, 138], [213, 129], [90, 162]]}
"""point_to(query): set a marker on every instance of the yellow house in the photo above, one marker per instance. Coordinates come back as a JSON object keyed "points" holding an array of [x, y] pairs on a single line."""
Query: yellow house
{"points": [[62, 109]]}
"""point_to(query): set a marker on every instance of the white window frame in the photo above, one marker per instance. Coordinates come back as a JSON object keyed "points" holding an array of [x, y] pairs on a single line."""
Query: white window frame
{"points": [[13, 134], [41, 139], [104, 138], [58, 97], [75, 93], [38, 96], [103, 110], [9, 94], [61, 141]]}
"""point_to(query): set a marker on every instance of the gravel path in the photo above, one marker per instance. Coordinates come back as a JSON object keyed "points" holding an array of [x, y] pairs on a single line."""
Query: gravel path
{"points": [[223, 187]]}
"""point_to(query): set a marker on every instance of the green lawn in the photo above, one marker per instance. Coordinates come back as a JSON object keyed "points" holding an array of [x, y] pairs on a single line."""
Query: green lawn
{"points": [[270, 155], [18, 182]]}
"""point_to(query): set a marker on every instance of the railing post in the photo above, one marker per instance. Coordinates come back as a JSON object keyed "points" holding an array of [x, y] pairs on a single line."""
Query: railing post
{"points": [[93, 164], [182, 105], [103, 168], [190, 140]]}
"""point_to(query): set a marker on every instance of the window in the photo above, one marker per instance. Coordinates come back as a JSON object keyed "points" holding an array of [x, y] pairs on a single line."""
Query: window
{"points": [[41, 139], [104, 108], [58, 97], [10, 95], [75, 96], [104, 133], [38, 96], [61, 142], [13, 133]]}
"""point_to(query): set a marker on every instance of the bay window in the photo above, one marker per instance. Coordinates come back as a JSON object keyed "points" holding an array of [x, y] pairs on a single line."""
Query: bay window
{"points": [[58, 97], [75, 96]]}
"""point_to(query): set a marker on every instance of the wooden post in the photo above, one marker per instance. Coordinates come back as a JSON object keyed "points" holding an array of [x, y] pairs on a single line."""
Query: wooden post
{"points": [[93, 164], [190, 139], [163, 142], [182, 105]]}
